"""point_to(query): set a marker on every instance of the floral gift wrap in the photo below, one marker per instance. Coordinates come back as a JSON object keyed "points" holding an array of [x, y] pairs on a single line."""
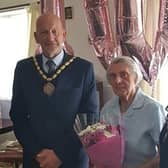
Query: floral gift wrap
{"points": [[104, 144]]}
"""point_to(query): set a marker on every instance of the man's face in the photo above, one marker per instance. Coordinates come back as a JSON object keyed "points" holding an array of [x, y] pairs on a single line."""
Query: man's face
{"points": [[50, 35], [122, 80]]}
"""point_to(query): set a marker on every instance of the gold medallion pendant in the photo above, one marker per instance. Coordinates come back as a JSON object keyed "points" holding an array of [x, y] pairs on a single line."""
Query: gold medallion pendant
{"points": [[48, 88]]}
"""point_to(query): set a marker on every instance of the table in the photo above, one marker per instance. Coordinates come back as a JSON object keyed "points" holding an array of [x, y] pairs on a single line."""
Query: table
{"points": [[9, 156], [5, 125], [13, 157]]}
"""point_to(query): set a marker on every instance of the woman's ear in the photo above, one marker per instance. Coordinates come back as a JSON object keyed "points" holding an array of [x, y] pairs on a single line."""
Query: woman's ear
{"points": [[136, 78]]}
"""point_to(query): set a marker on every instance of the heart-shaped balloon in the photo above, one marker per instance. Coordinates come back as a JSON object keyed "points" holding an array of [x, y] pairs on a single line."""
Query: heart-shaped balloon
{"points": [[129, 36], [133, 41], [161, 45], [100, 32]]}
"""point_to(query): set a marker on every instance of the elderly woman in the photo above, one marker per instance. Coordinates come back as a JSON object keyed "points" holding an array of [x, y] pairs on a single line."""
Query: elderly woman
{"points": [[142, 117]]}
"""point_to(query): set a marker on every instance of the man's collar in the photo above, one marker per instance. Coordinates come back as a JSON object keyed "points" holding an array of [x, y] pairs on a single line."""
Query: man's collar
{"points": [[57, 59]]}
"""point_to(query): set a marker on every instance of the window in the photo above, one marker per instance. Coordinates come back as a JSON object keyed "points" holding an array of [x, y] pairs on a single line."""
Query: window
{"points": [[13, 42]]}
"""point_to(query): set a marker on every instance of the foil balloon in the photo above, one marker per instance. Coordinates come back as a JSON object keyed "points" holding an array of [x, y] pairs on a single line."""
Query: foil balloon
{"points": [[100, 32], [56, 7], [161, 44], [133, 42]]}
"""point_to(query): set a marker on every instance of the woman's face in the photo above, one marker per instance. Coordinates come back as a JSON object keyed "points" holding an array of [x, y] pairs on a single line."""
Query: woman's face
{"points": [[122, 80]]}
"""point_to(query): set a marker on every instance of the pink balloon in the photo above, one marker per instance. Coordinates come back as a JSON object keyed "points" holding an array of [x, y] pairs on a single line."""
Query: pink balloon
{"points": [[98, 20], [56, 7], [133, 42], [161, 42]]}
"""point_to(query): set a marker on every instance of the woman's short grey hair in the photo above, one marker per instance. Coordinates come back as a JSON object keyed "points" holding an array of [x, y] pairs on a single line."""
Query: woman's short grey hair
{"points": [[133, 66]]}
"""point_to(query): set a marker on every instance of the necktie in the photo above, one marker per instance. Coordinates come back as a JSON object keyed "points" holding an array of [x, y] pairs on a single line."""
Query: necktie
{"points": [[51, 66]]}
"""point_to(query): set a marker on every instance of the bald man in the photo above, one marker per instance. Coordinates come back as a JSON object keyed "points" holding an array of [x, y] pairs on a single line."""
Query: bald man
{"points": [[49, 90]]}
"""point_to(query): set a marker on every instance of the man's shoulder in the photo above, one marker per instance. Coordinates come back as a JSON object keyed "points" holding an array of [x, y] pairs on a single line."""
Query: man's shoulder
{"points": [[25, 64], [83, 60], [25, 60]]}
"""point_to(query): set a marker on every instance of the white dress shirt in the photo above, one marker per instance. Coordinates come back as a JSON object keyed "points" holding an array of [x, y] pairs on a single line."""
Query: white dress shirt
{"points": [[57, 60]]}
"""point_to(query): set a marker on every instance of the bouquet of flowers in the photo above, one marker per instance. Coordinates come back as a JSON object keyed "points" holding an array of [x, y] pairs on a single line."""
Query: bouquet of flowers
{"points": [[104, 144]]}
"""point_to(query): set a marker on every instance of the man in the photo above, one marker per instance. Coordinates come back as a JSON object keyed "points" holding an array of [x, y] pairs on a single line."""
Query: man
{"points": [[47, 96]]}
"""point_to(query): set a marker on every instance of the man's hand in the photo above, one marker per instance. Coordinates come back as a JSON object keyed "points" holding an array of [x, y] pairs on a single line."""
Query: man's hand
{"points": [[48, 159]]}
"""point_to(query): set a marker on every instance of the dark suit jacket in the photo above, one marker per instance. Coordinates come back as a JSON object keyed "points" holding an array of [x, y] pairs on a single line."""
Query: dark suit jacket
{"points": [[42, 121], [164, 147]]}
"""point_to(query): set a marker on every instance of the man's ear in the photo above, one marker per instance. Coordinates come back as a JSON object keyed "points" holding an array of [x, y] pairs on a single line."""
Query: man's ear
{"points": [[64, 35], [136, 79]]}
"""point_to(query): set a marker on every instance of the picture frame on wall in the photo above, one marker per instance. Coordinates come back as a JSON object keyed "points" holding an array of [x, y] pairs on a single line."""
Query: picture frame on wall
{"points": [[68, 12]]}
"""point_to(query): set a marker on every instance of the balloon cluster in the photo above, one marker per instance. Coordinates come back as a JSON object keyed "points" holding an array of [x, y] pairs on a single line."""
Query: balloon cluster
{"points": [[126, 37], [129, 38]]}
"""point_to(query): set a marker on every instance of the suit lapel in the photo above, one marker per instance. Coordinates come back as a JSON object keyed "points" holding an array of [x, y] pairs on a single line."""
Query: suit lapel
{"points": [[39, 60]]}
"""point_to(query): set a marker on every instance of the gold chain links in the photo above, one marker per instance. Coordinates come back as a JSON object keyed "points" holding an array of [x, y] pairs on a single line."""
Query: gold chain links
{"points": [[58, 71]]}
